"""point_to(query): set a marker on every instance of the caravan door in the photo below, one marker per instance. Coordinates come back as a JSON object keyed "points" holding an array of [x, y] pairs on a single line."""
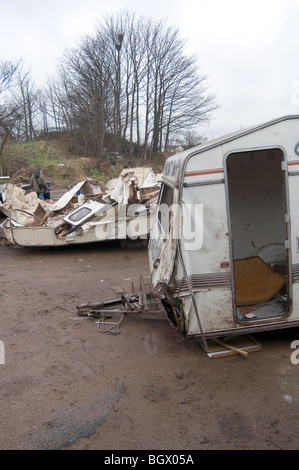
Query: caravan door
{"points": [[259, 233]]}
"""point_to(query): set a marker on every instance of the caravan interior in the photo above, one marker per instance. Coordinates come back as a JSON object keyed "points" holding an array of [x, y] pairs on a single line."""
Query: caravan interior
{"points": [[257, 210]]}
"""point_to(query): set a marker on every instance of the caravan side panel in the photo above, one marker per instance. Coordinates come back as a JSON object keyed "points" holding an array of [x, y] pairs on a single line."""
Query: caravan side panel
{"points": [[208, 264]]}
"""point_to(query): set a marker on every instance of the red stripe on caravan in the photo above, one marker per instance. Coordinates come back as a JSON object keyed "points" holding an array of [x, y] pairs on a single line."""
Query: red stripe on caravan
{"points": [[204, 172], [220, 170]]}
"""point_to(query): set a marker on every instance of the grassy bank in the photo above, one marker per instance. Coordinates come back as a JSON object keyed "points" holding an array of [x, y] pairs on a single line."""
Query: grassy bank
{"points": [[64, 166], [56, 160]]}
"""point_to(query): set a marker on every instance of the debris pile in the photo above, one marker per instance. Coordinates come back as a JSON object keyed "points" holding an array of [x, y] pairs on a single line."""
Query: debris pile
{"points": [[90, 211], [22, 208]]}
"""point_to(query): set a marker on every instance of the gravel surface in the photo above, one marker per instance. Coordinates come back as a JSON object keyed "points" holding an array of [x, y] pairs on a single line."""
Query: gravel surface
{"points": [[65, 385]]}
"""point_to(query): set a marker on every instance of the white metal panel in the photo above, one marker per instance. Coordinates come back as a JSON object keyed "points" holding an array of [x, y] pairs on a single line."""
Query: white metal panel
{"points": [[215, 311], [295, 295], [213, 255]]}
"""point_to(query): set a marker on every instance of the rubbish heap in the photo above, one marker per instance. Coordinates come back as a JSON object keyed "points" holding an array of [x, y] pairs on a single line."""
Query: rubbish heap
{"points": [[89, 212]]}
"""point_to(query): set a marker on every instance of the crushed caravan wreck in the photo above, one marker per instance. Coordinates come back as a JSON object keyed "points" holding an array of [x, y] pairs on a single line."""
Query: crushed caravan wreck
{"points": [[88, 212], [224, 247]]}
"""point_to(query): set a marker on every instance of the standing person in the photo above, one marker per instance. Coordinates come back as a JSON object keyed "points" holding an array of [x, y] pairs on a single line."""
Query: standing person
{"points": [[39, 183]]}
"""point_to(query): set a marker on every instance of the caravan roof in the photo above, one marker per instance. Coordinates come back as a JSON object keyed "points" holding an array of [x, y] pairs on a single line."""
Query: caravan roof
{"points": [[174, 165]]}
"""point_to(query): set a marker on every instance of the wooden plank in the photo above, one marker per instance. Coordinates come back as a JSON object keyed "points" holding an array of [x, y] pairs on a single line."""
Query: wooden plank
{"points": [[243, 344], [233, 348]]}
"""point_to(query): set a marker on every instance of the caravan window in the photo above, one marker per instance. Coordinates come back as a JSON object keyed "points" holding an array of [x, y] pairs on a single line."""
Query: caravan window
{"points": [[79, 214], [164, 210]]}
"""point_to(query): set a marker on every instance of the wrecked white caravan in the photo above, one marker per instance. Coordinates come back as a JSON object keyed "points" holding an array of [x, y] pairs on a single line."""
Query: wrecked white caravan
{"points": [[88, 212], [225, 255]]}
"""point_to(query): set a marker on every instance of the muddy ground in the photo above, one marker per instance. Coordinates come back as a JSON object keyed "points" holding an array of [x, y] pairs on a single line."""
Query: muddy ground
{"points": [[65, 385]]}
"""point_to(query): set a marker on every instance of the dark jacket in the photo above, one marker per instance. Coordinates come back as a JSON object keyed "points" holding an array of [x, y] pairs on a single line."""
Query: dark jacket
{"points": [[38, 183]]}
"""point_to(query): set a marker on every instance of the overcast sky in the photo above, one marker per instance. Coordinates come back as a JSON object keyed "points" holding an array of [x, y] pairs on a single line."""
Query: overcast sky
{"points": [[248, 50]]}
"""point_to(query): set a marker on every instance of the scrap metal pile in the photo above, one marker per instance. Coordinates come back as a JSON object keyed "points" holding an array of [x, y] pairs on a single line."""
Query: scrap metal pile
{"points": [[89, 212]]}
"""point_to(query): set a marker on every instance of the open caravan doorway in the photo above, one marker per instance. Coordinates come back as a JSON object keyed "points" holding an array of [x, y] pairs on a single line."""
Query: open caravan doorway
{"points": [[258, 232]]}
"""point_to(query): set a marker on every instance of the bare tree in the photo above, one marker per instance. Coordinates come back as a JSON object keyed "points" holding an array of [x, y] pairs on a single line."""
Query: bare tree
{"points": [[178, 92], [131, 82], [8, 109], [189, 139], [86, 97], [26, 97], [7, 72], [22, 96], [57, 116]]}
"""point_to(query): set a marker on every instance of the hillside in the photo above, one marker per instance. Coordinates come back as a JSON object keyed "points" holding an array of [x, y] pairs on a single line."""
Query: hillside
{"points": [[62, 165]]}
